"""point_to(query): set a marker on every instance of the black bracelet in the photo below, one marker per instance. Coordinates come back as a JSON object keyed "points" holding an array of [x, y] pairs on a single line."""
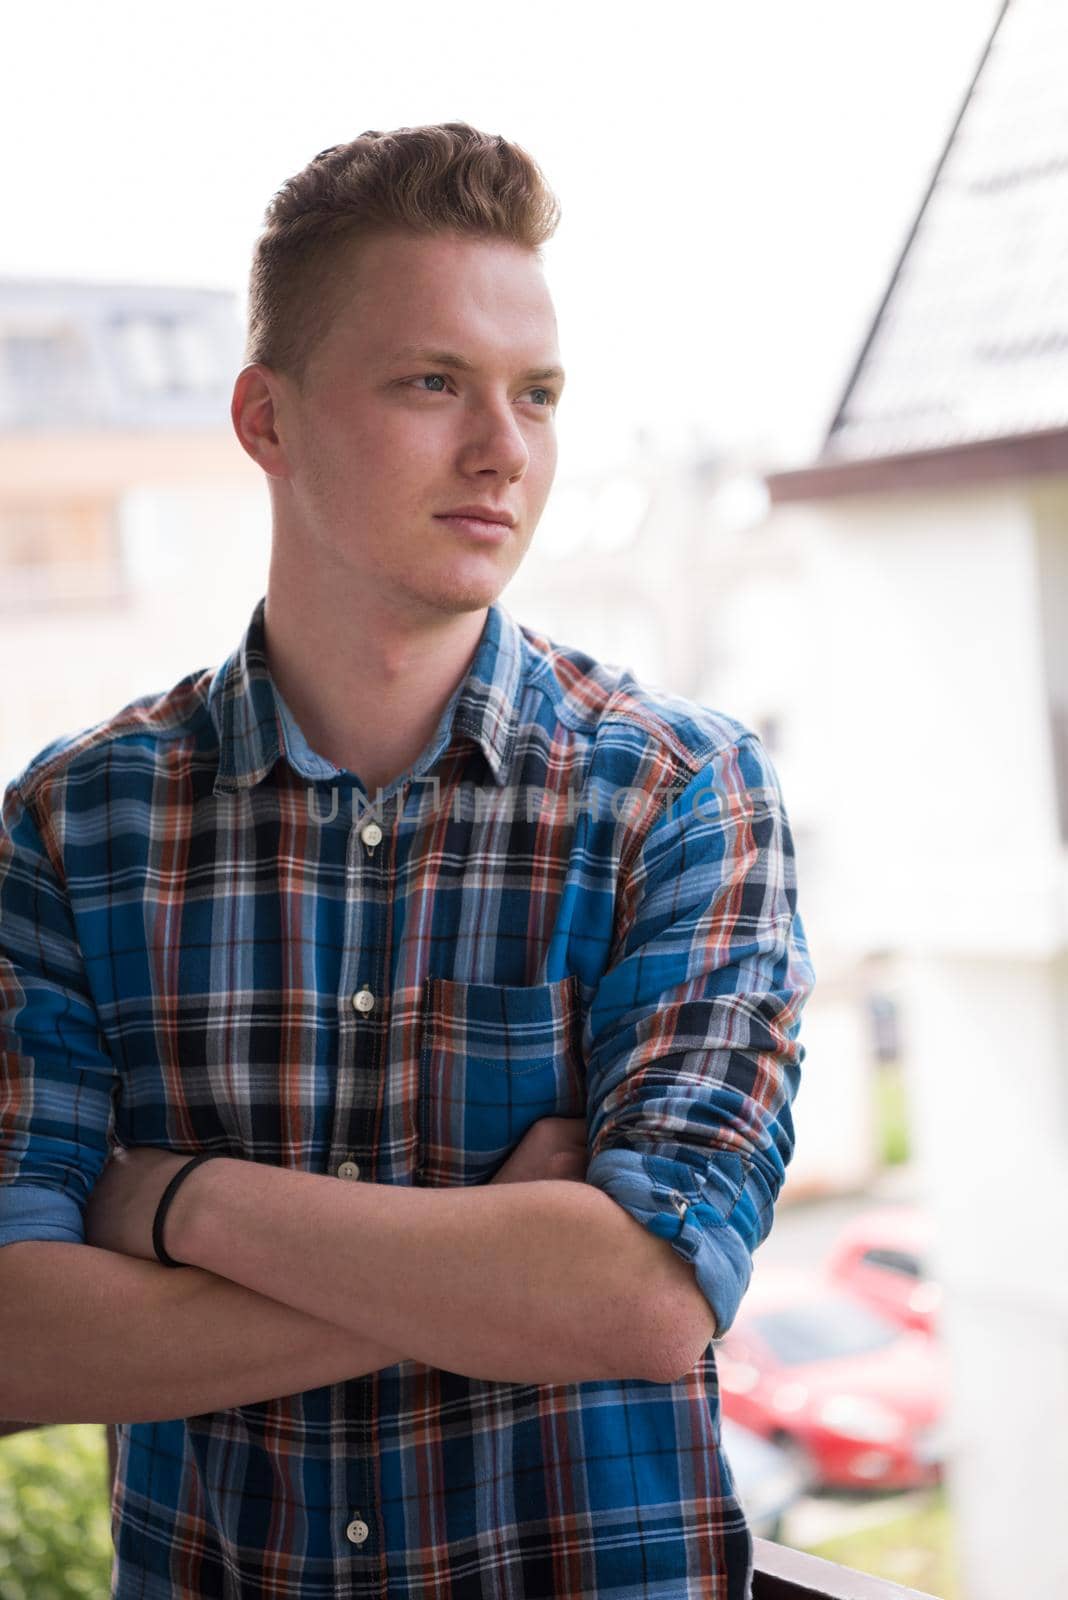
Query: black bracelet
{"points": [[165, 1200]]}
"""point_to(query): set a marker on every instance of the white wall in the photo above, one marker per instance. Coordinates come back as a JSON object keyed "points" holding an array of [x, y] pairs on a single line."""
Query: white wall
{"points": [[988, 1078], [197, 560], [910, 669]]}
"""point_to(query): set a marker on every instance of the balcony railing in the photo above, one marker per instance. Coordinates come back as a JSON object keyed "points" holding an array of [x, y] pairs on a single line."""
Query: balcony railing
{"points": [[779, 1573]]}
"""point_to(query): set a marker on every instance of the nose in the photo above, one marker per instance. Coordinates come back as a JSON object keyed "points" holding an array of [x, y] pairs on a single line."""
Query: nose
{"points": [[494, 441]]}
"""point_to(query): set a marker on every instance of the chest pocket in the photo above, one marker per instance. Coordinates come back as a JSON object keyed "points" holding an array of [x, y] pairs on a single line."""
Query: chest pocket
{"points": [[495, 1058]]}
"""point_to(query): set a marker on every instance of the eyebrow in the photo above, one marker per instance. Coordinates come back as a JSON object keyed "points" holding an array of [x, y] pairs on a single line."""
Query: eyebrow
{"points": [[449, 358]]}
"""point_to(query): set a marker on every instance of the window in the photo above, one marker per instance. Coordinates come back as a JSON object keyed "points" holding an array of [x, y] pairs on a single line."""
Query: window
{"points": [[44, 375], [835, 1328], [167, 355], [896, 1260], [1051, 549]]}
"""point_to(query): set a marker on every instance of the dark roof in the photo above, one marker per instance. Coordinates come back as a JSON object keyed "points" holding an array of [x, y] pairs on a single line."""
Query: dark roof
{"points": [[123, 356], [970, 343]]}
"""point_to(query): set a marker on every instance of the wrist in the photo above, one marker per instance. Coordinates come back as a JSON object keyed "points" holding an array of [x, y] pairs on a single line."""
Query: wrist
{"points": [[180, 1228]]}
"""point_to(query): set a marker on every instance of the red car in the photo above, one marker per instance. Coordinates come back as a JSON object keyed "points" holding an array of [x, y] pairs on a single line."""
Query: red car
{"points": [[856, 1399], [881, 1256]]}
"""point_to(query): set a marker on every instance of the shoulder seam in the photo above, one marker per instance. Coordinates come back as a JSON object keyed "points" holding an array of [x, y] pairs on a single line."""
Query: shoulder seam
{"points": [[701, 755], [662, 730], [40, 822], [98, 736]]}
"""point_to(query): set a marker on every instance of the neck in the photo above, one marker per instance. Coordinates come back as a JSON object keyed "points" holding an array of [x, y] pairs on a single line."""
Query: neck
{"points": [[367, 681]]}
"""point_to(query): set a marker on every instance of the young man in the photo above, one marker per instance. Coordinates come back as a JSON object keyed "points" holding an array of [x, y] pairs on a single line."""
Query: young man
{"points": [[377, 915]]}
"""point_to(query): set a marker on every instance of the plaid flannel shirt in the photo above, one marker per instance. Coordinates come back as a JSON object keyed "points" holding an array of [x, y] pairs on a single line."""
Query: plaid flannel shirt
{"points": [[579, 901]]}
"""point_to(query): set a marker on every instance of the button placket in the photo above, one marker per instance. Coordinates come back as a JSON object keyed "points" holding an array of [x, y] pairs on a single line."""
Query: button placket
{"points": [[364, 978]]}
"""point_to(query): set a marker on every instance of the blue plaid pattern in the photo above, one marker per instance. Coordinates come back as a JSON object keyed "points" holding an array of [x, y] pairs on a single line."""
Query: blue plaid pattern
{"points": [[579, 901]]}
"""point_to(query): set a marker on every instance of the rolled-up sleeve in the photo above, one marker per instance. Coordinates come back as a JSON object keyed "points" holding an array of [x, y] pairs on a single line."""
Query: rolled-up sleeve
{"points": [[56, 1074], [692, 1048]]}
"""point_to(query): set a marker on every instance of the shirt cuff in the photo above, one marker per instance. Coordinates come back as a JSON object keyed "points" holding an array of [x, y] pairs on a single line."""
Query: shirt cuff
{"points": [[689, 1207], [34, 1211]]}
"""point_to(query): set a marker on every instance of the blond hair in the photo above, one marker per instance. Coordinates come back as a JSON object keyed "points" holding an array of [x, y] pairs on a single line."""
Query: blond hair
{"points": [[444, 177]]}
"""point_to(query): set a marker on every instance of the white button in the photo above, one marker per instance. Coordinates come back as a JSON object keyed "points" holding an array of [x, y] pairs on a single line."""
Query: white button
{"points": [[357, 1531], [363, 1000], [348, 1169], [680, 1202], [372, 834]]}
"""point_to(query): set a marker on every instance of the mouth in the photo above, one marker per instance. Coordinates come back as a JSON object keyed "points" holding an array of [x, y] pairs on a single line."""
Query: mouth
{"points": [[481, 529]]}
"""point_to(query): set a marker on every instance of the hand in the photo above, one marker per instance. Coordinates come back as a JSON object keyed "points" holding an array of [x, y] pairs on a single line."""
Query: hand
{"points": [[125, 1198], [552, 1147]]}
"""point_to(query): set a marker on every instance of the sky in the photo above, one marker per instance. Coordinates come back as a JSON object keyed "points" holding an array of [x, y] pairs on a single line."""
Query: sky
{"points": [[736, 180]]}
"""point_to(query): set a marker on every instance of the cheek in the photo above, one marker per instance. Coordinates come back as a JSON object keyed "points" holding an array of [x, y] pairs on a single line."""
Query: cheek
{"points": [[402, 453], [356, 437]]}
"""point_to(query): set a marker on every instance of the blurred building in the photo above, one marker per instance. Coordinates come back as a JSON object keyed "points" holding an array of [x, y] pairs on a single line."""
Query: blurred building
{"points": [[921, 662], [128, 510]]}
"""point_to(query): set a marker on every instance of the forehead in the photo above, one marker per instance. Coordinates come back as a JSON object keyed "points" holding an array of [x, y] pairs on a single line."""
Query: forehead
{"points": [[395, 290]]}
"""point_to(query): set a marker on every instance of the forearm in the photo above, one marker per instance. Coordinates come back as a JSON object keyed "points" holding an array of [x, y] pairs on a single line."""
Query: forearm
{"points": [[88, 1335], [548, 1282]]}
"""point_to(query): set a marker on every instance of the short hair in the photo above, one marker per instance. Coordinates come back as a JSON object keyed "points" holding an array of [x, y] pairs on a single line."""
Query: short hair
{"points": [[445, 177]]}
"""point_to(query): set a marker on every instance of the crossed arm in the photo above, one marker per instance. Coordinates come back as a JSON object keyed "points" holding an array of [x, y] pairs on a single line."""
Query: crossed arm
{"points": [[546, 1282], [193, 1341], [550, 1282]]}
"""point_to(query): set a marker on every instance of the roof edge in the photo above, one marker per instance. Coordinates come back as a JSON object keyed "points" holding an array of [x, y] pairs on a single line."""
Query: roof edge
{"points": [[838, 418], [1022, 455]]}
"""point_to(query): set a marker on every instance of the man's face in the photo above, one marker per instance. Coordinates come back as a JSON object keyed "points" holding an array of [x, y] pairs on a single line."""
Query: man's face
{"points": [[391, 431]]}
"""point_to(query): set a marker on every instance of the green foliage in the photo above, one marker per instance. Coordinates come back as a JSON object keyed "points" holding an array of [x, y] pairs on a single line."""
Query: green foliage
{"points": [[55, 1519], [891, 1113], [917, 1550]]}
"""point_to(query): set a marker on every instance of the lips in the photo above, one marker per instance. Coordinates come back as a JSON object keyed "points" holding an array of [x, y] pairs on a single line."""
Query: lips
{"points": [[477, 528], [480, 514]]}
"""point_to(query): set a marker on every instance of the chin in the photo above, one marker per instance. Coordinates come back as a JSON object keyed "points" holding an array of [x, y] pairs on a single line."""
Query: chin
{"points": [[470, 592]]}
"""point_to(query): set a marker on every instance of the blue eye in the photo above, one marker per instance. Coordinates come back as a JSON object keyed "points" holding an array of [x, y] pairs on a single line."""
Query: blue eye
{"points": [[551, 397]]}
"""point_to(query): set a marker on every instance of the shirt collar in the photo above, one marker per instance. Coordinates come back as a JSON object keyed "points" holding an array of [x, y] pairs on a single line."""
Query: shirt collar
{"points": [[255, 727]]}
